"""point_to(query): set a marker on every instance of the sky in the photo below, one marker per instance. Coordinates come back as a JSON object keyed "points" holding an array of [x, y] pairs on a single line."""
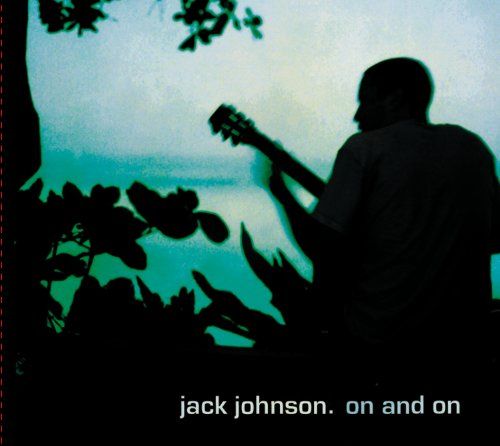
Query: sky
{"points": [[124, 104]]}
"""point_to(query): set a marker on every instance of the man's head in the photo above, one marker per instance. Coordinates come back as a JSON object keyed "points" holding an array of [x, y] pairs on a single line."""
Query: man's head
{"points": [[393, 90]]}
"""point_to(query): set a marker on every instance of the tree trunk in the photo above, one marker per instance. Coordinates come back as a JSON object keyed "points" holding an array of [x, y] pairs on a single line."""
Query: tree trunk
{"points": [[20, 158], [21, 126]]}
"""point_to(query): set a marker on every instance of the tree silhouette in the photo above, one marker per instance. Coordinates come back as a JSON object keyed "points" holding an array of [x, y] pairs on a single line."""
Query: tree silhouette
{"points": [[95, 222], [204, 20]]}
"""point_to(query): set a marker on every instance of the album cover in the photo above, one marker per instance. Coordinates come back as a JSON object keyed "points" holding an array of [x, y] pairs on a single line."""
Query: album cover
{"points": [[225, 219]]}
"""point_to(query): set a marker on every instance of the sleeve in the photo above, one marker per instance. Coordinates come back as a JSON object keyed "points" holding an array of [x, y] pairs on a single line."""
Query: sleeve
{"points": [[495, 216], [494, 196], [339, 201]]}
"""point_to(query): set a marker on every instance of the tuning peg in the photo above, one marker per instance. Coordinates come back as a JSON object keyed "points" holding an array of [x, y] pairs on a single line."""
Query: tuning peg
{"points": [[226, 132], [220, 116], [235, 138]]}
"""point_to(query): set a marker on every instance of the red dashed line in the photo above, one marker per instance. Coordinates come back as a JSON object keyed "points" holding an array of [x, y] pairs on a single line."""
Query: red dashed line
{"points": [[1, 232]]}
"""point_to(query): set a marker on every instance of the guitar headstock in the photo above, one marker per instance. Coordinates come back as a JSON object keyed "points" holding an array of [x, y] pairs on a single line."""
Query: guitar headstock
{"points": [[231, 124]]}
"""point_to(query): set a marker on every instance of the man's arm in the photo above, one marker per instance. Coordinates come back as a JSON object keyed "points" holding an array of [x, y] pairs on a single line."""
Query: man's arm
{"points": [[312, 236], [495, 224], [332, 219]]}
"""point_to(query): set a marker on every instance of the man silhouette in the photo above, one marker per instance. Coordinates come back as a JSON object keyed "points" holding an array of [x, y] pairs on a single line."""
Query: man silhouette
{"points": [[407, 222]]}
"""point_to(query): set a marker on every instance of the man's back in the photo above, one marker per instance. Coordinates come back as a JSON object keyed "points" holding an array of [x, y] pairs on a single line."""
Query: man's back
{"points": [[417, 201]]}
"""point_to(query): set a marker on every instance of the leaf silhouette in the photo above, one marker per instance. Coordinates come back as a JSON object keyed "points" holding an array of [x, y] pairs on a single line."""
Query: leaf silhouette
{"points": [[114, 230], [210, 316], [151, 300], [204, 35], [261, 327], [259, 264], [55, 307], [183, 302], [172, 215], [289, 271], [120, 292], [105, 196], [189, 43], [213, 226], [86, 306], [145, 201], [189, 198], [225, 300], [62, 266], [131, 254], [71, 193], [220, 25], [36, 188]]}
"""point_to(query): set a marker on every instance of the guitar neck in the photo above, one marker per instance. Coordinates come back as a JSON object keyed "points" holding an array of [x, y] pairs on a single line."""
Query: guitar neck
{"points": [[288, 164]]}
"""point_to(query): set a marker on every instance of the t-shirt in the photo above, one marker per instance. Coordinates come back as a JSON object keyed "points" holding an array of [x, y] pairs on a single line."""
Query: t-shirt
{"points": [[420, 205]]}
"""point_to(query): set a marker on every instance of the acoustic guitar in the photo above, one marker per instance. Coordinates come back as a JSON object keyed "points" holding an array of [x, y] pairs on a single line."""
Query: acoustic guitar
{"points": [[236, 127]]}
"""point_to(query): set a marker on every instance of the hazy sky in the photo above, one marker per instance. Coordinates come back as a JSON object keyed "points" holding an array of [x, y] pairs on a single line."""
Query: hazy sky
{"points": [[125, 103]]}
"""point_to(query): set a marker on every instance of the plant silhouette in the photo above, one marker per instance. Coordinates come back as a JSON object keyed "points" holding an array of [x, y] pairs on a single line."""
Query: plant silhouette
{"points": [[71, 229], [175, 215]]}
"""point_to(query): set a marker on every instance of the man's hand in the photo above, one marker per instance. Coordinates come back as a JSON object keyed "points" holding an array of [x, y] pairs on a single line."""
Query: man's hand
{"points": [[277, 185]]}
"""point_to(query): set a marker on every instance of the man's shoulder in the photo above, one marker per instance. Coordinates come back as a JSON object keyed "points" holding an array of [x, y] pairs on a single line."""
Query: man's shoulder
{"points": [[466, 139], [365, 143], [367, 148], [457, 131], [359, 142], [383, 136]]}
